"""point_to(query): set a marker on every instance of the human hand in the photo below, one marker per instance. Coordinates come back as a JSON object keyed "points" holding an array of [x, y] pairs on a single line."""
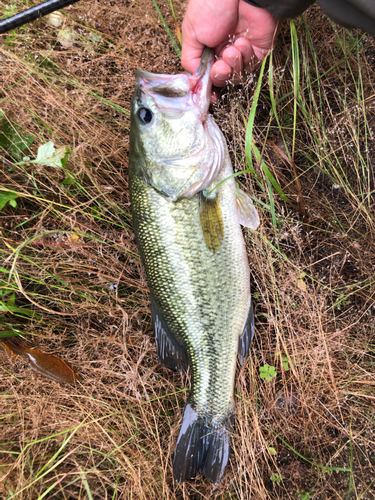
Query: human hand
{"points": [[240, 34]]}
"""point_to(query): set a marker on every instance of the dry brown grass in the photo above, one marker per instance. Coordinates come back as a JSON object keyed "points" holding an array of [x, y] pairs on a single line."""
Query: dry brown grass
{"points": [[75, 264]]}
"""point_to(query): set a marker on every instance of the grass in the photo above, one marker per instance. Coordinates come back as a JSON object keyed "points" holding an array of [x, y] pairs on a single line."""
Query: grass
{"points": [[301, 138]]}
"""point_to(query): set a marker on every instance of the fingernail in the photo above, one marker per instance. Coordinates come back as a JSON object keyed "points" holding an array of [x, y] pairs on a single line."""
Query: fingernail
{"points": [[221, 78]]}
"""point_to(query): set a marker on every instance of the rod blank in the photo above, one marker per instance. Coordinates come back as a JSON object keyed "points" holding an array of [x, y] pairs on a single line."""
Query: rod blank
{"points": [[34, 13]]}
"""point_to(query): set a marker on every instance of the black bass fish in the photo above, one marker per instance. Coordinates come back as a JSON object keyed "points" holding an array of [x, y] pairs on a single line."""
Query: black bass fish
{"points": [[187, 211]]}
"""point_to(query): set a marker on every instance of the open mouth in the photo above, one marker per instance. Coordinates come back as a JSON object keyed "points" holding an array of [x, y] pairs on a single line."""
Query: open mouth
{"points": [[180, 87]]}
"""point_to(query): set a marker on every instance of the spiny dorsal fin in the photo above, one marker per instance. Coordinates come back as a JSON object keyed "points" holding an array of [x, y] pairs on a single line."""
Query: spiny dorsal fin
{"points": [[211, 219]]}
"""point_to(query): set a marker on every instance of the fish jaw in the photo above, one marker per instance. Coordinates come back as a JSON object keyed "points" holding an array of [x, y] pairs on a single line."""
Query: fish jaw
{"points": [[201, 83], [189, 91]]}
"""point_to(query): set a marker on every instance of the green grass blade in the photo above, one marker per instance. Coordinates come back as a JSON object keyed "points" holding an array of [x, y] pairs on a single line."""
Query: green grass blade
{"points": [[167, 29]]}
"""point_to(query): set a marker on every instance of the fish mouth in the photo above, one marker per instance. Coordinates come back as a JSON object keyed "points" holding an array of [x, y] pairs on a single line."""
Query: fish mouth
{"points": [[163, 85], [201, 83], [198, 86]]}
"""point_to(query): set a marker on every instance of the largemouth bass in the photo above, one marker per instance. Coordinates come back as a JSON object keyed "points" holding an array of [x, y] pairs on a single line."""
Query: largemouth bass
{"points": [[187, 211]]}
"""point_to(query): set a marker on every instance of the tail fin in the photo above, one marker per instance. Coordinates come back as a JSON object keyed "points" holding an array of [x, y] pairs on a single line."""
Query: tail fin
{"points": [[202, 444]]}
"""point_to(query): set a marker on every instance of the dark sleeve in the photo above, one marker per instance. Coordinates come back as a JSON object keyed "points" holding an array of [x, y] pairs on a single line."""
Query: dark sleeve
{"points": [[283, 8], [351, 13], [348, 13]]}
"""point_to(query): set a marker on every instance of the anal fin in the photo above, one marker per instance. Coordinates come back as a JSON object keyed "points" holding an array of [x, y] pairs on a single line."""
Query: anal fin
{"points": [[247, 336], [171, 352]]}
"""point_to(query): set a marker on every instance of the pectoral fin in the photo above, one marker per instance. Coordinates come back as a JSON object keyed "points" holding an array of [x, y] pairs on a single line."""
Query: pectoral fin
{"points": [[247, 213], [171, 352], [211, 219]]}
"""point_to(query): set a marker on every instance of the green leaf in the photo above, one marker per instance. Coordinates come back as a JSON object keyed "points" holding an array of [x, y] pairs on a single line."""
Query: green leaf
{"points": [[8, 196], [9, 333], [45, 151], [48, 155], [267, 372], [276, 478], [15, 310], [11, 300], [271, 449], [13, 139], [69, 179], [285, 362], [304, 495]]}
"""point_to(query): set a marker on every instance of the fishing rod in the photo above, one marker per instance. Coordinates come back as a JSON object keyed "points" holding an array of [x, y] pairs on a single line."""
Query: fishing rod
{"points": [[35, 12]]}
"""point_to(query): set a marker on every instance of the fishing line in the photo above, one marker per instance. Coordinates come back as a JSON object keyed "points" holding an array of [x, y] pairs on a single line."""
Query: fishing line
{"points": [[35, 12]]}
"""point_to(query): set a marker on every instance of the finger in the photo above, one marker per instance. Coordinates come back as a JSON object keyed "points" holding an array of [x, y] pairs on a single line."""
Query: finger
{"points": [[233, 57], [249, 58], [214, 95], [220, 73]]}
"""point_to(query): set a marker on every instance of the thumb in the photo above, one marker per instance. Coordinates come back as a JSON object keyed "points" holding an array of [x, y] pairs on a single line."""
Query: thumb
{"points": [[191, 49]]}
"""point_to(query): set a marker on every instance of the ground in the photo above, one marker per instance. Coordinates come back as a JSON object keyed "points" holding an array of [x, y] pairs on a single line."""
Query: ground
{"points": [[72, 282]]}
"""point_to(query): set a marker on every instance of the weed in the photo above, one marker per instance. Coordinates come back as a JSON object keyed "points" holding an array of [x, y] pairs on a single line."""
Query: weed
{"points": [[276, 478], [47, 155], [302, 495], [13, 138], [267, 372], [285, 363], [8, 197], [271, 449]]}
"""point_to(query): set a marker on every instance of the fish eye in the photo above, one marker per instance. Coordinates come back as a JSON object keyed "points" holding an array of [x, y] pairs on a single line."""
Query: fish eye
{"points": [[145, 115]]}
